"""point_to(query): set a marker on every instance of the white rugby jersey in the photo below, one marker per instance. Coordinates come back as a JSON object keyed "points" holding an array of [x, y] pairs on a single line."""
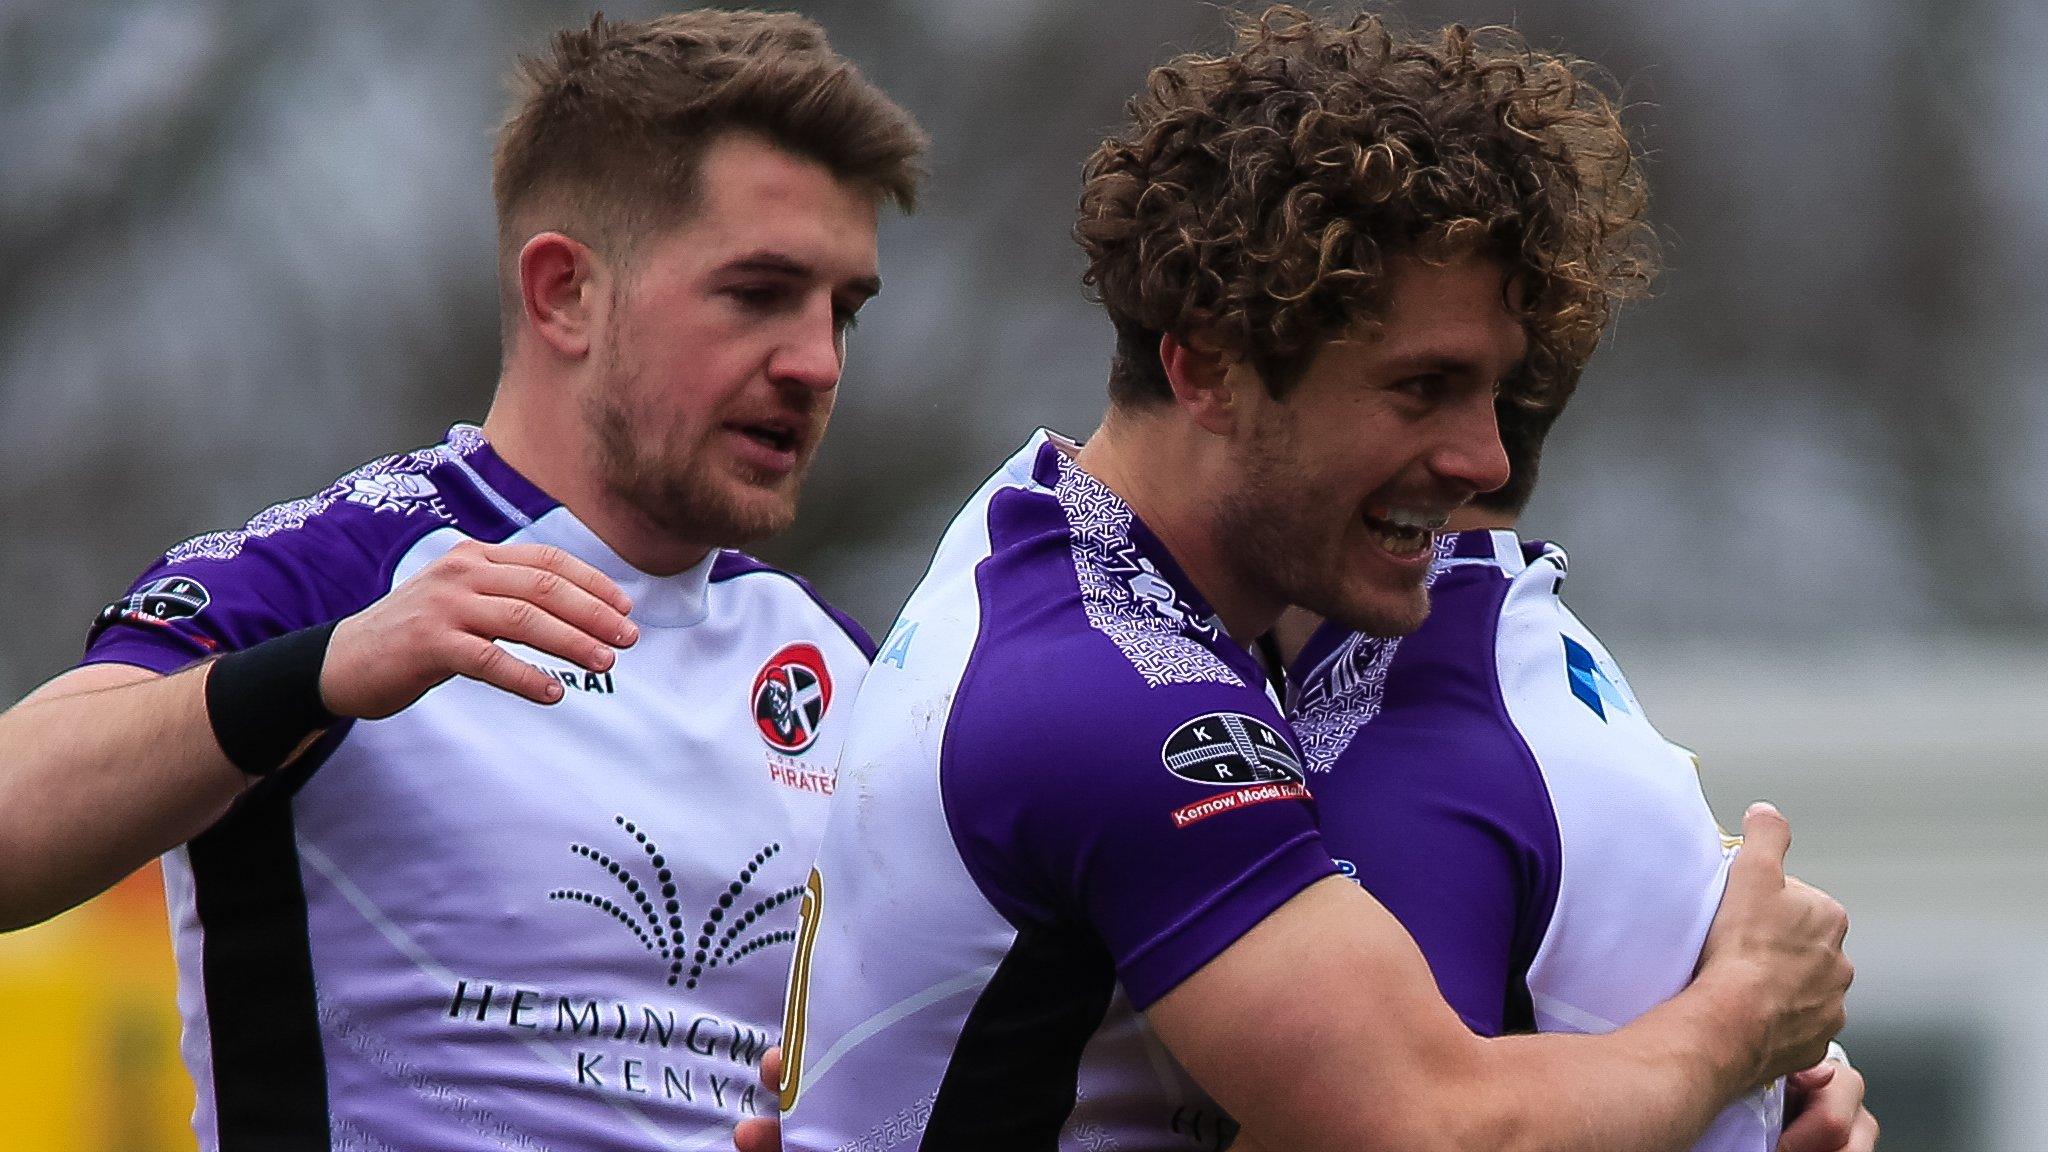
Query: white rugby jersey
{"points": [[1493, 781], [1064, 790], [486, 924]]}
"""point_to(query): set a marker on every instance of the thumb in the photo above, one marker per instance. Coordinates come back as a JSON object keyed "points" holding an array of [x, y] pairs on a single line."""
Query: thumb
{"points": [[1766, 837], [771, 1069], [1809, 1080]]}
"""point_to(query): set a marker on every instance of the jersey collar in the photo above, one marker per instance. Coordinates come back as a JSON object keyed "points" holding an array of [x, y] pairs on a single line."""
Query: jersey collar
{"points": [[676, 601], [1495, 547]]}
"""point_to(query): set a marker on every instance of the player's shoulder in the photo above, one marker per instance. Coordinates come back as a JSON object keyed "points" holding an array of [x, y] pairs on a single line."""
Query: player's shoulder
{"points": [[315, 558], [1548, 656], [376, 509], [782, 596]]}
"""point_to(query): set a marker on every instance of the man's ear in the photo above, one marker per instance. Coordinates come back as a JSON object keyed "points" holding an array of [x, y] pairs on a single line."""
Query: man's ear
{"points": [[1199, 370], [559, 289]]}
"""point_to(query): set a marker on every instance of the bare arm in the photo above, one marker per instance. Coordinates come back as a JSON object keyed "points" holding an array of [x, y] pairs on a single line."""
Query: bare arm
{"points": [[102, 769], [1322, 1029], [108, 766]]}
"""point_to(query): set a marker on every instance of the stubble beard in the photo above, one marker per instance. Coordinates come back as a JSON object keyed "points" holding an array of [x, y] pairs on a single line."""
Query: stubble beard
{"points": [[1278, 526], [669, 481]]}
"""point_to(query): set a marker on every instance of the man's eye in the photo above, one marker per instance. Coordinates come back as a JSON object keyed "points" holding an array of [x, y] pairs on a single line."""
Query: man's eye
{"points": [[1428, 386], [756, 295]]}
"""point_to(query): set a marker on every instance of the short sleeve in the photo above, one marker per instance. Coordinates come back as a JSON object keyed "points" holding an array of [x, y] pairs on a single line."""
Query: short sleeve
{"points": [[230, 590], [1443, 835], [1169, 820]]}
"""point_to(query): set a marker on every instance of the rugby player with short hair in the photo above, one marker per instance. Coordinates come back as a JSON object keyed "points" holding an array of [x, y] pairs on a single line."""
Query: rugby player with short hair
{"points": [[488, 775], [1072, 892], [1493, 782]]}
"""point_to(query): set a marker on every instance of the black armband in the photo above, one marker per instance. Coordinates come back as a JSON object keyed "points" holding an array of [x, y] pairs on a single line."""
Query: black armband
{"points": [[264, 701]]}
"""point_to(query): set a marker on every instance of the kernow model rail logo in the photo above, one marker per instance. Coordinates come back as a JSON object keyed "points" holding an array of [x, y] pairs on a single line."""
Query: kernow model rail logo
{"points": [[1235, 751], [1229, 749], [791, 693], [648, 903]]}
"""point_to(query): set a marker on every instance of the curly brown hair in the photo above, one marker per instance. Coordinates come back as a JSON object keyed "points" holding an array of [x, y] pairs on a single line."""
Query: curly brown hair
{"points": [[1259, 195]]}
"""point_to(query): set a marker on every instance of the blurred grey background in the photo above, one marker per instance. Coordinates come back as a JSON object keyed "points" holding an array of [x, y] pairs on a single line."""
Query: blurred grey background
{"points": [[249, 245]]}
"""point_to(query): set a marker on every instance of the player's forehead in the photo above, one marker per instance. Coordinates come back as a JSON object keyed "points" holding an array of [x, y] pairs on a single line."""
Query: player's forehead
{"points": [[755, 199], [1442, 317]]}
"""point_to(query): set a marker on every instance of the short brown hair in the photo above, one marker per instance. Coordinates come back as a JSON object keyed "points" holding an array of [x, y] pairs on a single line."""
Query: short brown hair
{"points": [[1258, 195], [605, 134]]}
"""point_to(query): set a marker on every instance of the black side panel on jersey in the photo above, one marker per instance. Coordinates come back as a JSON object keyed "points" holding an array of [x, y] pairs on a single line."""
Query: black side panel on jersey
{"points": [[269, 1074], [1011, 1083]]}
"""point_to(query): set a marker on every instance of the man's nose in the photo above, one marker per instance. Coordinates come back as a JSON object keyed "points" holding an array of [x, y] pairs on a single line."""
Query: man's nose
{"points": [[814, 353], [1473, 454]]}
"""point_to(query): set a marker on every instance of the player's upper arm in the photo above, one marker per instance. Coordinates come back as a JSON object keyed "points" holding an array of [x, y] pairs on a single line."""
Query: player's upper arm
{"points": [[1165, 821], [1321, 1028], [88, 679]]}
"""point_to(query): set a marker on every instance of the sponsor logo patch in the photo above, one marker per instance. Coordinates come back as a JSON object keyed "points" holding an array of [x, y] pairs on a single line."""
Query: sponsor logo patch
{"points": [[400, 492], [790, 696], [157, 604], [1234, 799], [1590, 682], [646, 899], [1229, 750]]}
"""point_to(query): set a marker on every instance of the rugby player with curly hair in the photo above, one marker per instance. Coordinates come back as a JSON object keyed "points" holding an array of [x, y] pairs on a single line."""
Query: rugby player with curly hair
{"points": [[1072, 892]]}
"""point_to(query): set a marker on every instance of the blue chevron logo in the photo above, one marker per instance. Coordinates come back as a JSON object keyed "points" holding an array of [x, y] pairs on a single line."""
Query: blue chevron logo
{"points": [[1591, 685]]}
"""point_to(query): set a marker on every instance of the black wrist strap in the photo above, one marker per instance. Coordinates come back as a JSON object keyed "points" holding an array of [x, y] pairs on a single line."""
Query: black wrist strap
{"points": [[264, 701]]}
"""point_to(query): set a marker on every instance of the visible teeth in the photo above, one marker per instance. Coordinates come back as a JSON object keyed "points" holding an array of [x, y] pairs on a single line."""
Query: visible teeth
{"points": [[1402, 542], [1414, 518]]}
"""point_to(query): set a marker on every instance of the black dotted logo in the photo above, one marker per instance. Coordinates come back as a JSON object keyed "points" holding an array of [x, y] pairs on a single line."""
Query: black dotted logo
{"points": [[652, 909]]}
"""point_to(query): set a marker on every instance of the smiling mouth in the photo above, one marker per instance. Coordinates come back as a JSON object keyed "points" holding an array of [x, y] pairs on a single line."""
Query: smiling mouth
{"points": [[1404, 533]]}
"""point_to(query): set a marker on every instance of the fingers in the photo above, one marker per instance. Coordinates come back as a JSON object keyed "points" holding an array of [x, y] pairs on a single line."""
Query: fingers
{"points": [[761, 1134], [758, 1135], [1828, 1121], [1863, 1136], [479, 659], [561, 598], [1834, 917], [552, 559], [522, 622]]}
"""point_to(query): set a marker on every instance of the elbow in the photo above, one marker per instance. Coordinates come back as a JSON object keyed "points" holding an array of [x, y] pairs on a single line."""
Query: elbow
{"points": [[1454, 1106]]}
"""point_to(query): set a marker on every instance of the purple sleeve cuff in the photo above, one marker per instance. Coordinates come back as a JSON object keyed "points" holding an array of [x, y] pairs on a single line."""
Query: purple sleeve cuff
{"points": [[1159, 965], [162, 652]]}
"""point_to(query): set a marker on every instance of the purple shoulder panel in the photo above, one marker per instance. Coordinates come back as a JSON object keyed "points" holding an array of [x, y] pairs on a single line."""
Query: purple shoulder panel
{"points": [[308, 561], [1434, 802], [729, 563], [1097, 770]]}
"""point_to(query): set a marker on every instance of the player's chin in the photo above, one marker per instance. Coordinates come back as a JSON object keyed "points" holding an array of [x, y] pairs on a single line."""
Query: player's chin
{"points": [[1379, 606], [757, 511]]}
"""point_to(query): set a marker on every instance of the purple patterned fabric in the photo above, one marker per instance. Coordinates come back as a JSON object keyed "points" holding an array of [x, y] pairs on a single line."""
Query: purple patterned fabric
{"points": [[308, 561], [1098, 692]]}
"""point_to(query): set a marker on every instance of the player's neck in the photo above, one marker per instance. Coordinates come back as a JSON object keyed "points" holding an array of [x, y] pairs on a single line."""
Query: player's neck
{"points": [[552, 452], [1155, 466]]}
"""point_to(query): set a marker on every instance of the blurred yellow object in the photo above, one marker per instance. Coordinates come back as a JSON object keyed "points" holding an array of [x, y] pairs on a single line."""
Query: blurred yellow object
{"points": [[89, 1030]]}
